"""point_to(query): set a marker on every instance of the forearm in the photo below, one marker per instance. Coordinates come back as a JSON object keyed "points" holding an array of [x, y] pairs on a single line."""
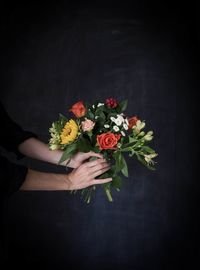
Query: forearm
{"points": [[36, 180], [36, 149]]}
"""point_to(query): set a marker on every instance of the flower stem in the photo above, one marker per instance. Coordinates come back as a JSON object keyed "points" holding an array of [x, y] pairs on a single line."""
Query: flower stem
{"points": [[109, 195]]}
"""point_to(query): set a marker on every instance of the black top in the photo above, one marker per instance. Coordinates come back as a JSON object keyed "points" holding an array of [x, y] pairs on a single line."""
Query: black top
{"points": [[11, 136]]}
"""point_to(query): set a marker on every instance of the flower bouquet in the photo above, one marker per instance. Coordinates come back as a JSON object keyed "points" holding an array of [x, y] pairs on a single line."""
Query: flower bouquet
{"points": [[103, 128]]}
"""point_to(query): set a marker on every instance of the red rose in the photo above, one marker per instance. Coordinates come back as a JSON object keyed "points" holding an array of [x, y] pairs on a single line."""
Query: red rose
{"points": [[111, 102], [78, 109], [132, 121], [108, 140]]}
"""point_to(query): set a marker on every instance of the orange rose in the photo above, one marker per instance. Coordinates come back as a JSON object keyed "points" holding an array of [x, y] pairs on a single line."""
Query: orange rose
{"points": [[132, 121], [108, 140], [78, 109]]}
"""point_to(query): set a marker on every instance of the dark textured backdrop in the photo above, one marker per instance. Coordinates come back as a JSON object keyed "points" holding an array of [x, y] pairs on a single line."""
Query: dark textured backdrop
{"points": [[53, 55]]}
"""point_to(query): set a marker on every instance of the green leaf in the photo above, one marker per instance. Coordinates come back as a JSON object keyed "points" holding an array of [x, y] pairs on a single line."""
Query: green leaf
{"points": [[148, 149], [151, 168], [141, 159], [62, 120], [99, 110], [132, 153], [71, 149], [131, 139], [90, 115], [83, 145], [124, 166], [123, 105], [118, 166], [102, 116], [117, 182], [144, 162], [120, 163]]}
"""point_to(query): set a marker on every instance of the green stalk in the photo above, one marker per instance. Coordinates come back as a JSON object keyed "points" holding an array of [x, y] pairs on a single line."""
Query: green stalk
{"points": [[109, 196]]}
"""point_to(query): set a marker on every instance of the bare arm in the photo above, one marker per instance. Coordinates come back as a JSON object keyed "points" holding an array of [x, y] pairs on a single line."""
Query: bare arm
{"points": [[79, 178], [37, 149], [36, 180]]}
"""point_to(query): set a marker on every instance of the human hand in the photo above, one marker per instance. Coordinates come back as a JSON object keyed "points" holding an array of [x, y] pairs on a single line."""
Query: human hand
{"points": [[80, 157], [84, 175]]}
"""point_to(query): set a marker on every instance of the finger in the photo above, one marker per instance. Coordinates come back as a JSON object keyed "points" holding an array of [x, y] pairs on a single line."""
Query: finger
{"points": [[98, 167], [99, 172], [95, 162], [93, 154], [100, 181]]}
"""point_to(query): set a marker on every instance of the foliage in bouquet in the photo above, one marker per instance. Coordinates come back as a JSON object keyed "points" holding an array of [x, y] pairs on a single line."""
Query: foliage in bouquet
{"points": [[104, 128]]}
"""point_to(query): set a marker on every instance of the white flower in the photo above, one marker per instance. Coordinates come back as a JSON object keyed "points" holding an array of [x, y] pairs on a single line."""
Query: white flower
{"points": [[118, 122], [126, 121], [119, 116], [93, 106], [100, 104], [106, 126], [116, 128], [125, 126], [149, 157], [139, 125], [148, 136], [123, 133], [112, 119]]}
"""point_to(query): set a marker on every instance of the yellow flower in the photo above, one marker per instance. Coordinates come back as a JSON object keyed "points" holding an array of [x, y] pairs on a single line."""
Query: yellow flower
{"points": [[69, 132]]}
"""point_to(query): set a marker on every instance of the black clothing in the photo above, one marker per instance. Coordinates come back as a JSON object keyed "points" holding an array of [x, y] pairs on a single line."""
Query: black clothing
{"points": [[11, 136]]}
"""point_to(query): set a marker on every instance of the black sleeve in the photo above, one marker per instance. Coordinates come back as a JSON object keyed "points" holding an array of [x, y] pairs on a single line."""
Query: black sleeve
{"points": [[12, 176], [12, 135]]}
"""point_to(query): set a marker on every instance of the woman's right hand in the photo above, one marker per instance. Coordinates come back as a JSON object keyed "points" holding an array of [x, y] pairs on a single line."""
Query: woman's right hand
{"points": [[84, 175]]}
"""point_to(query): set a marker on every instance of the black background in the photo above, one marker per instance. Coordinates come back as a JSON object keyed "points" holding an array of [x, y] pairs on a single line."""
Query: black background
{"points": [[53, 55]]}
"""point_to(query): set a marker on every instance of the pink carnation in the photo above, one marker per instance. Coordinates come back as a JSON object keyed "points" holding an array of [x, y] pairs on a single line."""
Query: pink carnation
{"points": [[87, 125]]}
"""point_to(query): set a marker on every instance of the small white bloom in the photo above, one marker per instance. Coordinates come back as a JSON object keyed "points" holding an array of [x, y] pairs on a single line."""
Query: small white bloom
{"points": [[125, 126], [119, 116], [123, 133], [100, 104], [116, 128], [112, 119], [119, 145], [126, 121], [118, 122], [93, 106], [106, 126], [96, 117]]}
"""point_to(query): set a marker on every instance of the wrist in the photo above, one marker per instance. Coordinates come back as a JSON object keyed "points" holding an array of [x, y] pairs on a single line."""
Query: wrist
{"points": [[68, 182]]}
